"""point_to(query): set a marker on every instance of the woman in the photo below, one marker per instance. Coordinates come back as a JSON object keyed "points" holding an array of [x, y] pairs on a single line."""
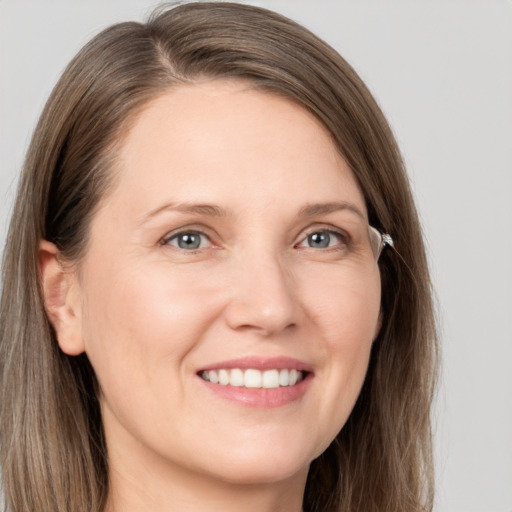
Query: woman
{"points": [[193, 316]]}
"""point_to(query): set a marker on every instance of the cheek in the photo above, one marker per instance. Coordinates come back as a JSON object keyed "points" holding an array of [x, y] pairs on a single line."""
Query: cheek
{"points": [[139, 328], [347, 316], [136, 317], [346, 308], [352, 330]]}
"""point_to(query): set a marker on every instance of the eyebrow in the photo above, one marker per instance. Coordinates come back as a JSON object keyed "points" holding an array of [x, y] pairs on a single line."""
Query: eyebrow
{"points": [[311, 210], [210, 210]]}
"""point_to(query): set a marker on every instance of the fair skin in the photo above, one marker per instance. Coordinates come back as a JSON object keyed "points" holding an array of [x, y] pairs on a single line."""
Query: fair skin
{"points": [[262, 278]]}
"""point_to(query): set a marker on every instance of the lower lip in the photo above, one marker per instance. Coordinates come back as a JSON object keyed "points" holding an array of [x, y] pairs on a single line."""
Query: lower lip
{"points": [[261, 397]]}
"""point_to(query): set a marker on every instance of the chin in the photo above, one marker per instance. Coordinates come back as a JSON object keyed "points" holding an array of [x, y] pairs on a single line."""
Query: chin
{"points": [[261, 475], [253, 467]]}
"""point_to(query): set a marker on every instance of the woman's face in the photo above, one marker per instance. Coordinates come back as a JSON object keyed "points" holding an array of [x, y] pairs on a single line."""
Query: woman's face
{"points": [[234, 247]]}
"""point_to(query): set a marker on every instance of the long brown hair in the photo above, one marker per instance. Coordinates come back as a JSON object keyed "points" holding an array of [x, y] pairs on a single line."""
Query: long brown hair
{"points": [[52, 447]]}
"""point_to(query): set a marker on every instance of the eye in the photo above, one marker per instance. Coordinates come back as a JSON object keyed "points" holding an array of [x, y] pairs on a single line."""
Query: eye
{"points": [[323, 239], [188, 240]]}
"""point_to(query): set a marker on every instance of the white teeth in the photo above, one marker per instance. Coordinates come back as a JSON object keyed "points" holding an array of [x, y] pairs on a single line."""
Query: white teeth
{"points": [[271, 379], [223, 377], [252, 378], [236, 377]]}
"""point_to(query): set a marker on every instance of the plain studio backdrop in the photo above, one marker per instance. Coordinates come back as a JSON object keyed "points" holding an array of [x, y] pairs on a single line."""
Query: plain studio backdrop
{"points": [[442, 72]]}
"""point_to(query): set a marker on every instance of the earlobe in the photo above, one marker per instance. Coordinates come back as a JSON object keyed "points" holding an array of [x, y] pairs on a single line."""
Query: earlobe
{"points": [[61, 299]]}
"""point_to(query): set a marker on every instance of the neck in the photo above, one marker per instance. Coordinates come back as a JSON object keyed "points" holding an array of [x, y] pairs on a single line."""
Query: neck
{"points": [[160, 487], [197, 493]]}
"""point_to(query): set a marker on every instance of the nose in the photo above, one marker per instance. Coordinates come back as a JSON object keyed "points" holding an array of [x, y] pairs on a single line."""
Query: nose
{"points": [[263, 297]]}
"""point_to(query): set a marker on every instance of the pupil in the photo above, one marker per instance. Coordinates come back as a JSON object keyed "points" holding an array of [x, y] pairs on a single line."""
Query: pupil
{"points": [[319, 240], [189, 241]]}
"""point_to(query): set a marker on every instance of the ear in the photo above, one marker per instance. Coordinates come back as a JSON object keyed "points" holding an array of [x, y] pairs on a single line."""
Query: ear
{"points": [[61, 299]]}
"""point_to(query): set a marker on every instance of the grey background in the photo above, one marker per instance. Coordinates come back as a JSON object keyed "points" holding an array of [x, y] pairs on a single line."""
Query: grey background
{"points": [[442, 71]]}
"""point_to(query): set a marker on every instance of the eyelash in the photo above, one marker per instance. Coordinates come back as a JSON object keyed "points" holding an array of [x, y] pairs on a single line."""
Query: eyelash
{"points": [[344, 239]]}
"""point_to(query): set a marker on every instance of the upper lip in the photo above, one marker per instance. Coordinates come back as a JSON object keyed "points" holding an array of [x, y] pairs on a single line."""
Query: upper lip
{"points": [[261, 363]]}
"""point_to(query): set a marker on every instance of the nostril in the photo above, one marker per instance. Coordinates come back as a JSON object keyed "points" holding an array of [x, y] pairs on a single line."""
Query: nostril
{"points": [[265, 328], [262, 301]]}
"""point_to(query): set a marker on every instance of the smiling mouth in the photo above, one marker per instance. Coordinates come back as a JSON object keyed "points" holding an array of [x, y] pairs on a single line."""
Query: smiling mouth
{"points": [[252, 378]]}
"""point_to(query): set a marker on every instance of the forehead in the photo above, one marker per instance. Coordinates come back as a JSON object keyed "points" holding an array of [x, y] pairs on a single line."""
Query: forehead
{"points": [[225, 140]]}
